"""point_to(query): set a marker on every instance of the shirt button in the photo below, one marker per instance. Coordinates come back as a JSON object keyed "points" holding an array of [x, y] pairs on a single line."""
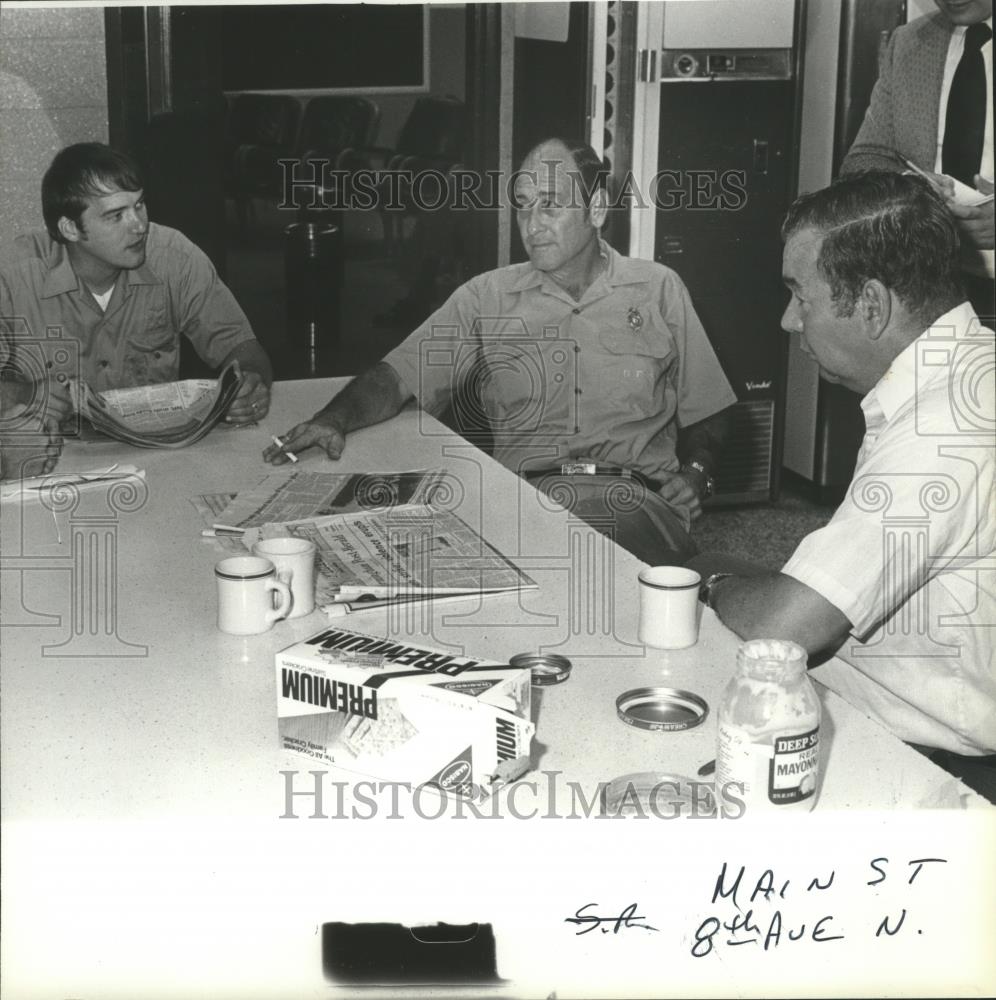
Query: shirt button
{"points": [[576, 310], [157, 354]]}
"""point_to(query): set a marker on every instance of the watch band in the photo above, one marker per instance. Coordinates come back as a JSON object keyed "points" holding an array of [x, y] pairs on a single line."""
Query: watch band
{"points": [[710, 483], [707, 588]]}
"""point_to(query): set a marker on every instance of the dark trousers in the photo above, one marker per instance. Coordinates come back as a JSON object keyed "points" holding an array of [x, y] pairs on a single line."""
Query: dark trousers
{"points": [[632, 515], [979, 773]]}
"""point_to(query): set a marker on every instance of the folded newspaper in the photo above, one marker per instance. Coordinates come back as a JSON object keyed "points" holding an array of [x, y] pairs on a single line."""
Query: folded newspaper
{"points": [[401, 712], [164, 415], [411, 551]]}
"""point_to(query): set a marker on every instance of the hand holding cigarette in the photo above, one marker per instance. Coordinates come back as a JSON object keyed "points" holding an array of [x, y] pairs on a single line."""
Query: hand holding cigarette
{"points": [[311, 433], [283, 448]]}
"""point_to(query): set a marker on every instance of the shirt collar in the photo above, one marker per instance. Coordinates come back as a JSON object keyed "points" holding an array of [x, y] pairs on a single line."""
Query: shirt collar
{"points": [[959, 30], [899, 384], [61, 277], [612, 274]]}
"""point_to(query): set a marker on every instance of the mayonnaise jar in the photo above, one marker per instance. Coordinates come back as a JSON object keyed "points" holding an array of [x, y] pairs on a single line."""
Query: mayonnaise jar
{"points": [[769, 729]]}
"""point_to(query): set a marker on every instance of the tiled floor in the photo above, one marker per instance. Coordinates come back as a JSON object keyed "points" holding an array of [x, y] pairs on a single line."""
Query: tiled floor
{"points": [[765, 534]]}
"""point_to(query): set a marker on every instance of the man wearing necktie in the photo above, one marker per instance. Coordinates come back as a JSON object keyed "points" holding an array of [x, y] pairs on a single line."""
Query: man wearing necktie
{"points": [[932, 108]]}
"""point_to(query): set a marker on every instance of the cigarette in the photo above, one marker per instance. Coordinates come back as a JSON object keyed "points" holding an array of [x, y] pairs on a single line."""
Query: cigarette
{"points": [[280, 445], [221, 530]]}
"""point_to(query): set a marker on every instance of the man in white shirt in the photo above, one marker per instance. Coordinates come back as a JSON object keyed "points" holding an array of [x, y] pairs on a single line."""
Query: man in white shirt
{"points": [[932, 108], [901, 584]]}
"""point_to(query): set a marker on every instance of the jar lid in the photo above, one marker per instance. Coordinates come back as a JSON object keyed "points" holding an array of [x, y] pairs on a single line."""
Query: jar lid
{"points": [[654, 793], [776, 650], [546, 668], [661, 709]]}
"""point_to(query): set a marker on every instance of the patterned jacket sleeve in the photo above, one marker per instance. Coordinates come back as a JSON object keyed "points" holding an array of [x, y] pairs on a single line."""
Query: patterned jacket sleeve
{"points": [[874, 147]]}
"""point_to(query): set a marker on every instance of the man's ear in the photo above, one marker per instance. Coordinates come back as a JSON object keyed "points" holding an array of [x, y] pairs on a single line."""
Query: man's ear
{"points": [[68, 229], [599, 207], [875, 305]]}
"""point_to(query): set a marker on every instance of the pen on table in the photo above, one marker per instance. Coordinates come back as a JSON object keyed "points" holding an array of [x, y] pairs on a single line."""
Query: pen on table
{"points": [[222, 530], [280, 445], [339, 608]]}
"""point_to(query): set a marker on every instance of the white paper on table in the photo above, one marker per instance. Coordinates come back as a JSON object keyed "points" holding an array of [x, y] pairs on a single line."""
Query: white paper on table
{"points": [[34, 486]]}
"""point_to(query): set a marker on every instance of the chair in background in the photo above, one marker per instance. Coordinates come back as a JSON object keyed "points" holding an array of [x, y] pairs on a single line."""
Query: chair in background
{"points": [[433, 139], [262, 130], [415, 182], [332, 126]]}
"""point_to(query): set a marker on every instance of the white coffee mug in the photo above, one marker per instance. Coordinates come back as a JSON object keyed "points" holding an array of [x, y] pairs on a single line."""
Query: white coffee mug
{"points": [[669, 614], [295, 562], [246, 585]]}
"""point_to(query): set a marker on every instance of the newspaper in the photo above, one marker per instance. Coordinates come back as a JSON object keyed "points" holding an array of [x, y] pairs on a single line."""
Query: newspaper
{"points": [[406, 551], [164, 415], [302, 494]]}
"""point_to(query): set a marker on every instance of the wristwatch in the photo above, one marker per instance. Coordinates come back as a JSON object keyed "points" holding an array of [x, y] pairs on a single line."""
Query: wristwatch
{"points": [[707, 588], [710, 483]]}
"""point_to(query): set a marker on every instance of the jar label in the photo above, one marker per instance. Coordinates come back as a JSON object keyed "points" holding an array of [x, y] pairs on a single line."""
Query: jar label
{"points": [[794, 767], [781, 773]]}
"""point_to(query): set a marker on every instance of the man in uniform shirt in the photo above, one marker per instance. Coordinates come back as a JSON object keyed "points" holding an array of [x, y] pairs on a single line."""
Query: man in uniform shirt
{"points": [[593, 368], [901, 583], [105, 295]]}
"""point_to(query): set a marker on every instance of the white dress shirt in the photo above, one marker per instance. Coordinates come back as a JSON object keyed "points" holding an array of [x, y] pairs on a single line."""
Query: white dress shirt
{"points": [[910, 555]]}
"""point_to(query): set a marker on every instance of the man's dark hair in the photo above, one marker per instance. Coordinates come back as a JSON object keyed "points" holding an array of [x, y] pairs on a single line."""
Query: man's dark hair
{"points": [[591, 172], [79, 172], [886, 226]]}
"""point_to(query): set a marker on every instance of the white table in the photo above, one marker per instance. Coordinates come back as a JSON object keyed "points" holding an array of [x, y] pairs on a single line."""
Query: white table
{"points": [[148, 776]]}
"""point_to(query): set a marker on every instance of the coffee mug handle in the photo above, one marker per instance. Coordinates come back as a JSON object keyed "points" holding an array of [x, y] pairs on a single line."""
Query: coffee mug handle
{"points": [[285, 600]]}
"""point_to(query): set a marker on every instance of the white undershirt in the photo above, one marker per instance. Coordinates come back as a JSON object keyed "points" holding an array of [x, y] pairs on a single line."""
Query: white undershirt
{"points": [[982, 261], [103, 299]]}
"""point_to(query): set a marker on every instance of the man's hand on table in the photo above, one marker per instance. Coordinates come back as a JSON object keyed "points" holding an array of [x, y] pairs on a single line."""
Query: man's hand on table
{"points": [[318, 432], [252, 402], [681, 489], [28, 447]]}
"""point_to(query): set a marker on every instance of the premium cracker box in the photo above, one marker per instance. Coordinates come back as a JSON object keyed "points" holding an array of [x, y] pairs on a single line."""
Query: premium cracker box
{"points": [[399, 712]]}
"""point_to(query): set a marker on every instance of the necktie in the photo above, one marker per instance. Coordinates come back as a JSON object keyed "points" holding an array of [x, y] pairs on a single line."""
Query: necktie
{"points": [[965, 122]]}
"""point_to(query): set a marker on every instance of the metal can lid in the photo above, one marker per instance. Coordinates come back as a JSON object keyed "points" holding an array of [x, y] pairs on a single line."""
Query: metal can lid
{"points": [[654, 793], [547, 668], [661, 709]]}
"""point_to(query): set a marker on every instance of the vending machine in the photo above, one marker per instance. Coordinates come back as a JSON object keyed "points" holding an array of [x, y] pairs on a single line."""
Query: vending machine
{"points": [[717, 109]]}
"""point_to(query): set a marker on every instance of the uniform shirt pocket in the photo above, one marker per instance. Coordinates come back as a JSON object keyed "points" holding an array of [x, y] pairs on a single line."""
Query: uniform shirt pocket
{"points": [[153, 350], [636, 365]]}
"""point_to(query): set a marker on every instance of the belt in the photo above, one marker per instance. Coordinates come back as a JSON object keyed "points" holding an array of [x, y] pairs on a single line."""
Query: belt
{"points": [[594, 469]]}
